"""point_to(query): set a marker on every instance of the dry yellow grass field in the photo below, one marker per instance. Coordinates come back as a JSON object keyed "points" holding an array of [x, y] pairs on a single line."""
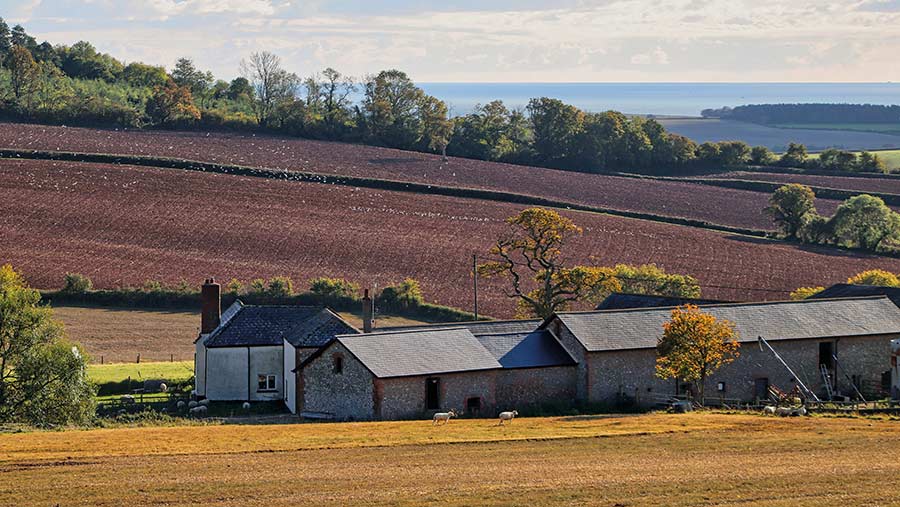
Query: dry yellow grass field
{"points": [[695, 459], [120, 334]]}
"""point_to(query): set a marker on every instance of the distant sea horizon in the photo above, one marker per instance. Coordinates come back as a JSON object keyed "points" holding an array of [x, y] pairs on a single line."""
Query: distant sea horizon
{"points": [[664, 99]]}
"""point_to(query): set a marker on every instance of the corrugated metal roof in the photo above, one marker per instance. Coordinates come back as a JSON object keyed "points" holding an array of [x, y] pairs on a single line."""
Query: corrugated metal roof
{"points": [[401, 354], [786, 320], [526, 350], [622, 301], [302, 326]]}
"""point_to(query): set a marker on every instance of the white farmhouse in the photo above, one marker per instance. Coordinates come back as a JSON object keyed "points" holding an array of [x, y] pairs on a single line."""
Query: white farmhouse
{"points": [[248, 353]]}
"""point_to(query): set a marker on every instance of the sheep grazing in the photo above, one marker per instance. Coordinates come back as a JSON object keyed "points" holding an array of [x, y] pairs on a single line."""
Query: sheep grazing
{"points": [[507, 417], [127, 399], [180, 405], [204, 403], [769, 410], [192, 404], [198, 411], [442, 417], [246, 406], [784, 411]]}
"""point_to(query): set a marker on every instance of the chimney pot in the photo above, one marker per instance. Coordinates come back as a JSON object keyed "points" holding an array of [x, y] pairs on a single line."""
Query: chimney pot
{"points": [[368, 312]]}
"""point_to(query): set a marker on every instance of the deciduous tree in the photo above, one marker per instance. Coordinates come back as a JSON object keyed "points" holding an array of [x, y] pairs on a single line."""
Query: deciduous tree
{"points": [[791, 206], [695, 345], [172, 103], [866, 222], [875, 277]]}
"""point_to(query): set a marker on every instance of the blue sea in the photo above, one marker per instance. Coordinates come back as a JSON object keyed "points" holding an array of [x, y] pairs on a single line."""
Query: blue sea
{"points": [[675, 99]]}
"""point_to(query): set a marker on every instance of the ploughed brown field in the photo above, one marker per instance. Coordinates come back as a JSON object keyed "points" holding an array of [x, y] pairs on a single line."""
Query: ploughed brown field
{"points": [[122, 225], [647, 460], [731, 207], [883, 185]]}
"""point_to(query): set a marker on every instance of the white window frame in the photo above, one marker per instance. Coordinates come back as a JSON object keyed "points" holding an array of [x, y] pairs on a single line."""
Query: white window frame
{"points": [[271, 381]]}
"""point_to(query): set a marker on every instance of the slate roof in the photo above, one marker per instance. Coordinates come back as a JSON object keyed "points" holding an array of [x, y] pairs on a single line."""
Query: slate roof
{"points": [[845, 290], [476, 327], [301, 326], [403, 354], [623, 301], [526, 350], [786, 320]]}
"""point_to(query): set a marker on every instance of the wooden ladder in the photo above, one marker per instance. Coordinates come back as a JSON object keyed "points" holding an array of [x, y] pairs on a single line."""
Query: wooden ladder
{"points": [[826, 377]]}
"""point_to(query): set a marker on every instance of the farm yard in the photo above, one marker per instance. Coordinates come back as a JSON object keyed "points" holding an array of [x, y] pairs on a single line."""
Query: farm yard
{"points": [[122, 225], [655, 459], [723, 206]]}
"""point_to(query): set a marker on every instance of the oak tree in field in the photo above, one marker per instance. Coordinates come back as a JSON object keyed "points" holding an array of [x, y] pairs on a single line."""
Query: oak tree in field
{"points": [[791, 206], [865, 221], [694, 345], [794, 156], [43, 379]]}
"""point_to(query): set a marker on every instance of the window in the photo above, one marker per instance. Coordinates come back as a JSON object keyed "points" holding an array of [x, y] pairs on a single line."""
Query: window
{"points": [[720, 387], [266, 382], [432, 393], [337, 366], [826, 354]]}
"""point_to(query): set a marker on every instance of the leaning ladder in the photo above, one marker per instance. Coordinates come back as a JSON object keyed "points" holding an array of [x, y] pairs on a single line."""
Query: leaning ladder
{"points": [[826, 378]]}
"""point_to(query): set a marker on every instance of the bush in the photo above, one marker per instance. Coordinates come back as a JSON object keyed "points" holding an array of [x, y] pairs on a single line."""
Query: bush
{"points": [[280, 286], [77, 284], [404, 296], [334, 288]]}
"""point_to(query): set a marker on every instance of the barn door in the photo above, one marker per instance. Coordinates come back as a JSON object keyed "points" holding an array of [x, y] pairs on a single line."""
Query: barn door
{"points": [[432, 393]]}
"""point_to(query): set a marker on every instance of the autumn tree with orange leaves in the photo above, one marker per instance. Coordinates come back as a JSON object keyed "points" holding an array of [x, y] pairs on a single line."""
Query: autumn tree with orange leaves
{"points": [[694, 345]]}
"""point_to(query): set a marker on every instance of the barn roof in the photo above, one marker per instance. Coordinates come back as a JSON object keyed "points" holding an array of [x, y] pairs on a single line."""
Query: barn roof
{"points": [[476, 327], [301, 326], [623, 301], [844, 290], [403, 354], [526, 350], [785, 320]]}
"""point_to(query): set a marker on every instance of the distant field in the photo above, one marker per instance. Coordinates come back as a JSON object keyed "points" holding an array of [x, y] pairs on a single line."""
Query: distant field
{"points": [[884, 185], [885, 128], [891, 158], [120, 334], [777, 139], [103, 373], [655, 460]]}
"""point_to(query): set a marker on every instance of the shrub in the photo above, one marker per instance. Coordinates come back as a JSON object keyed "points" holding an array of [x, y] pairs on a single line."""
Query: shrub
{"points": [[77, 284], [280, 286], [403, 296], [334, 288]]}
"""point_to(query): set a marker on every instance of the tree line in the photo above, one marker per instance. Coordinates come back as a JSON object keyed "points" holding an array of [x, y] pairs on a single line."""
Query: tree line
{"points": [[808, 113], [77, 85], [862, 221]]}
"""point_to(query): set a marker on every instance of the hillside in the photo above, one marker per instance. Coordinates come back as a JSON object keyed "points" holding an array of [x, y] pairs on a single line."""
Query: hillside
{"points": [[889, 185], [730, 207], [122, 225]]}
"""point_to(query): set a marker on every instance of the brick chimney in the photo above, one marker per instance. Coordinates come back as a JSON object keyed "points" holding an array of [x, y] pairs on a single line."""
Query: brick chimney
{"points": [[368, 312], [211, 301]]}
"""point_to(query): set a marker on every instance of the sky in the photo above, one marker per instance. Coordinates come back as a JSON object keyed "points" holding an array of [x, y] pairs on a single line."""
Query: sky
{"points": [[495, 40]]}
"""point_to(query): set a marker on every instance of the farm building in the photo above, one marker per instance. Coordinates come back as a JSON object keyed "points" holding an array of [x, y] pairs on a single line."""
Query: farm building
{"points": [[594, 357], [320, 366], [847, 290], [625, 301], [248, 352]]}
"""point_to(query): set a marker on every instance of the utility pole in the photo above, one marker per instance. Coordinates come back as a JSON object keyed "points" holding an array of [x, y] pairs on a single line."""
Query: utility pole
{"points": [[475, 282]]}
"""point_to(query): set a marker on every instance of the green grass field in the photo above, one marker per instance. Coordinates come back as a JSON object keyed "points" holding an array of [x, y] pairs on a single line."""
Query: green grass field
{"points": [[117, 372], [891, 157], [655, 460]]}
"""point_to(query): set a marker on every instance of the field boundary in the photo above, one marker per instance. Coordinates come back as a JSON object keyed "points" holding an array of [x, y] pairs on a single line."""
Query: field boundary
{"points": [[373, 183]]}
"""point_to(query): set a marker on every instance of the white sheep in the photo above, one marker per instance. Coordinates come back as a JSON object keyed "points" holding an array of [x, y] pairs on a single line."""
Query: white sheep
{"points": [[784, 411], [246, 405], [180, 405], [192, 404], [204, 403], [442, 417], [127, 399], [769, 410], [163, 387], [198, 411], [507, 416]]}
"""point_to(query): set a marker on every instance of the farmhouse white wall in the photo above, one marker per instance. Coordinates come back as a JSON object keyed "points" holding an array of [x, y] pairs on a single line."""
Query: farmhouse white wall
{"points": [[266, 361], [289, 380], [226, 375], [200, 367]]}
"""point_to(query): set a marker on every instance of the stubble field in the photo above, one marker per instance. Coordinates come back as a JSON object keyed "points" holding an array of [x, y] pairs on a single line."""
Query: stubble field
{"points": [[122, 225], [687, 460]]}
